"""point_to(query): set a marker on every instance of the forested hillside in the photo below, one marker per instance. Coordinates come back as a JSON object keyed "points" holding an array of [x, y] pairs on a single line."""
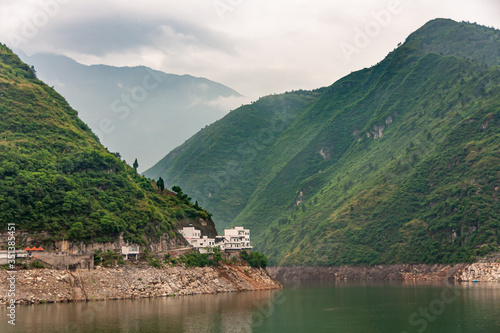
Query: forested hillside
{"points": [[399, 162], [56, 177]]}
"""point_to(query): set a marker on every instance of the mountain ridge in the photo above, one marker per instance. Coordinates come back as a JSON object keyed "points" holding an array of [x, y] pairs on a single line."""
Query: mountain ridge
{"points": [[321, 192]]}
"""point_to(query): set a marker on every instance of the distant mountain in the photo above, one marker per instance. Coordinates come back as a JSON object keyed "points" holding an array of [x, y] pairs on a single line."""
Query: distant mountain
{"points": [[58, 182], [399, 162], [136, 111]]}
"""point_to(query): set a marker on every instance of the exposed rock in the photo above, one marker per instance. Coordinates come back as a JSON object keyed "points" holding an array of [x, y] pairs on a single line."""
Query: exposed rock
{"points": [[480, 272], [44, 285], [487, 271]]}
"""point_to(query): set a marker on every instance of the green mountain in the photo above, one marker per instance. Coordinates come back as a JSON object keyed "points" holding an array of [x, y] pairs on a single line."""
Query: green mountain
{"points": [[57, 181], [394, 163]]}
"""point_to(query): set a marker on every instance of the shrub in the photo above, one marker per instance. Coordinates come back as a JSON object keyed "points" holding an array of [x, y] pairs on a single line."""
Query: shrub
{"points": [[155, 262], [107, 259], [196, 259], [255, 259], [37, 264]]}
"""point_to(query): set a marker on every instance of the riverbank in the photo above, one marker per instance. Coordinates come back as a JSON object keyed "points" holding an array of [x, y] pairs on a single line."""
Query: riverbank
{"points": [[483, 272], [52, 286]]}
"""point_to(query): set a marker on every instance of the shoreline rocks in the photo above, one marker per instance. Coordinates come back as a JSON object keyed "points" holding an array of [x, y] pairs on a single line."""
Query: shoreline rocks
{"points": [[129, 282], [59, 286], [482, 272]]}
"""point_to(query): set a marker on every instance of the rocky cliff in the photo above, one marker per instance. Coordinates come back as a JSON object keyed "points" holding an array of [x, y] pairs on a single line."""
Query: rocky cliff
{"points": [[44, 285], [482, 271]]}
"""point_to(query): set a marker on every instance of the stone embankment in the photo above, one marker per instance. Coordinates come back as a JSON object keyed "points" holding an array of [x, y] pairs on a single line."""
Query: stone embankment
{"points": [[484, 271], [44, 285]]}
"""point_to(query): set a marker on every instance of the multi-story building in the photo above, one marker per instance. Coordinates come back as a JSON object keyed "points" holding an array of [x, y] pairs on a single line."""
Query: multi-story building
{"points": [[236, 238]]}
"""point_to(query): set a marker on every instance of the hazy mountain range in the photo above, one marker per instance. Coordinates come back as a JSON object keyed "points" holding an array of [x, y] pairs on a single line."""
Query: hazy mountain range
{"points": [[136, 111]]}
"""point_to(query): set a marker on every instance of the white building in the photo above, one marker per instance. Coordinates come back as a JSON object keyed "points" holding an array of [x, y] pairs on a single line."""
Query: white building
{"points": [[190, 233], [130, 252], [196, 240], [236, 238]]}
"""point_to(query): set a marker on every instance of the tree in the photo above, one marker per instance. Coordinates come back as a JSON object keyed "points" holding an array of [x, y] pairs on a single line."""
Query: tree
{"points": [[177, 190], [161, 185], [181, 194], [32, 72], [135, 165]]}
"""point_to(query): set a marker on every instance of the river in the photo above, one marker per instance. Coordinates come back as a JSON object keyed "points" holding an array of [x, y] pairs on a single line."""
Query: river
{"points": [[300, 307]]}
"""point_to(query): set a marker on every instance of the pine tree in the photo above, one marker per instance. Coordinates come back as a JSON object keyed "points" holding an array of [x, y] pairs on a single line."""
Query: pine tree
{"points": [[136, 165], [161, 185]]}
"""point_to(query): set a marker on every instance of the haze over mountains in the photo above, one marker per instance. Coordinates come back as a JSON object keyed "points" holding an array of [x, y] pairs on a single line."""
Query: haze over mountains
{"points": [[136, 111], [399, 162]]}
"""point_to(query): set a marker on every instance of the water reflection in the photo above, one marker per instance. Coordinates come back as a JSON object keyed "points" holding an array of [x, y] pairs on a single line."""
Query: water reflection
{"points": [[306, 306], [228, 312]]}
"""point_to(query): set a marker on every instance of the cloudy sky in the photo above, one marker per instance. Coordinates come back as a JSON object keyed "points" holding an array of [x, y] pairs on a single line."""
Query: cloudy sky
{"points": [[256, 47]]}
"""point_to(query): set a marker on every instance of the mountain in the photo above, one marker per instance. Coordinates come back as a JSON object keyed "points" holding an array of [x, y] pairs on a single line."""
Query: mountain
{"points": [[397, 163], [136, 111], [58, 182]]}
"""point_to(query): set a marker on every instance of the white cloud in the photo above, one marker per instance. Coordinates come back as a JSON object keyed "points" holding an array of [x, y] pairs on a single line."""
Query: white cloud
{"points": [[229, 103], [259, 47]]}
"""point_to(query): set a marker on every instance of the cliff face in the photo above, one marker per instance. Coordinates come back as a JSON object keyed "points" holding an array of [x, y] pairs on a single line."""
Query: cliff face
{"points": [[207, 226], [484, 272], [43, 285]]}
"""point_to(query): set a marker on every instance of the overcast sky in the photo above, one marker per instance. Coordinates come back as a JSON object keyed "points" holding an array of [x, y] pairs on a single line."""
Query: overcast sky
{"points": [[256, 47]]}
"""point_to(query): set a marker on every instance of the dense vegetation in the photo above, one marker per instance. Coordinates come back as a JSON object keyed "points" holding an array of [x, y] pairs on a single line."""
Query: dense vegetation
{"points": [[196, 259], [395, 163], [56, 177], [254, 259]]}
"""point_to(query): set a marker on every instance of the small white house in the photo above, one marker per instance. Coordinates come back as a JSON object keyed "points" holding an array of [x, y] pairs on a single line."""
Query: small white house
{"points": [[130, 252], [190, 233]]}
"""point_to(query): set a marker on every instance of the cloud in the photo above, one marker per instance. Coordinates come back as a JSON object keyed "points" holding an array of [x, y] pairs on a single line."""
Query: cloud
{"points": [[228, 103], [256, 47]]}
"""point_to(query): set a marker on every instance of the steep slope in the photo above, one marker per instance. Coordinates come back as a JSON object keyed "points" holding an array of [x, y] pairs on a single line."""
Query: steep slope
{"points": [[395, 163], [139, 112], [58, 181], [224, 164]]}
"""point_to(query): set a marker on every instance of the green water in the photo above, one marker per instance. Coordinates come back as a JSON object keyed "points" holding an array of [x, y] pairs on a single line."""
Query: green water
{"points": [[299, 307]]}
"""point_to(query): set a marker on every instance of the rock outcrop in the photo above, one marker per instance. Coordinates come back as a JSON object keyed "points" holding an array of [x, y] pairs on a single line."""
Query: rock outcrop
{"points": [[484, 271], [44, 285]]}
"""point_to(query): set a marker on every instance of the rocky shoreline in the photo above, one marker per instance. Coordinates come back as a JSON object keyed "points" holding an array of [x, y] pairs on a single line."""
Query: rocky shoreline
{"points": [[54, 286], [129, 282], [481, 272]]}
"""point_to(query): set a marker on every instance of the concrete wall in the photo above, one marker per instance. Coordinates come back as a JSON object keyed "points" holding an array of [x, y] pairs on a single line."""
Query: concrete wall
{"points": [[230, 254], [67, 262]]}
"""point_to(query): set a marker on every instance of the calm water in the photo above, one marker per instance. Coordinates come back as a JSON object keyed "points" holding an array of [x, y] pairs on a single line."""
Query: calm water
{"points": [[300, 307]]}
